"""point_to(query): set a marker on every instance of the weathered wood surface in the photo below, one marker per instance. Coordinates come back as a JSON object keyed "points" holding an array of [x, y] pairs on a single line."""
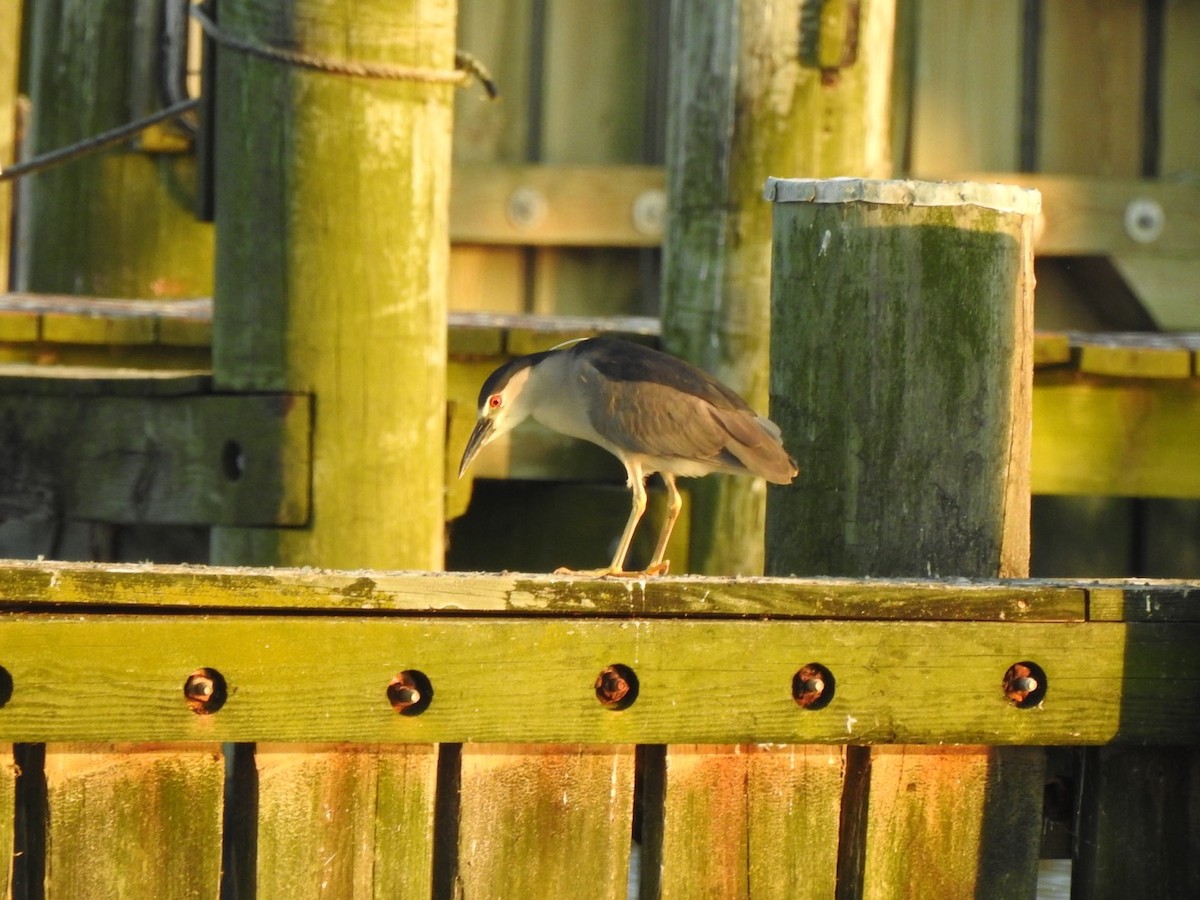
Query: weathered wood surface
{"points": [[133, 821], [532, 679], [743, 106], [544, 821], [359, 818], [769, 807], [331, 278], [119, 223], [1137, 833], [150, 456], [128, 588], [912, 427], [1133, 437]]}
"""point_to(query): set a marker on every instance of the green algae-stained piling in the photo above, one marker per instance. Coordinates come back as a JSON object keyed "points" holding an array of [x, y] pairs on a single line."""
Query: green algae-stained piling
{"points": [[332, 247], [744, 105], [118, 223], [901, 376]]}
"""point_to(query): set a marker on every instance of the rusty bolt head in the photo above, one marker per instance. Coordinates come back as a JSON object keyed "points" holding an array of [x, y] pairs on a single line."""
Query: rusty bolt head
{"points": [[616, 687], [812, 686], [1025, 684], [410, 692], [204, 691]]}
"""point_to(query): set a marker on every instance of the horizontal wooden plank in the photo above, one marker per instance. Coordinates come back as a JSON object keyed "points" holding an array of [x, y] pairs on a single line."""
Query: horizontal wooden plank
{"points": [[1099, 216], [287, 678], [94, 381], [1135, 355], [1119, 437], [595, 206], [124, 587], [203, 459]]}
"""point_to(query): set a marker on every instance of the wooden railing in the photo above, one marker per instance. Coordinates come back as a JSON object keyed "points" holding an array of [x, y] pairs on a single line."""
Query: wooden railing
{"points": [[350, 733]]}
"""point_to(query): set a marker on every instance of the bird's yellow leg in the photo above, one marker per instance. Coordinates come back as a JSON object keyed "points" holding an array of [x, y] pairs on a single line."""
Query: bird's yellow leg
{"points": [[658, 565], [617, 566]]}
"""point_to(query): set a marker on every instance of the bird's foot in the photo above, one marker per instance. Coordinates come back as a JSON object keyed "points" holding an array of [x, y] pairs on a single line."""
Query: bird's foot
{"points": [[613, 572]]}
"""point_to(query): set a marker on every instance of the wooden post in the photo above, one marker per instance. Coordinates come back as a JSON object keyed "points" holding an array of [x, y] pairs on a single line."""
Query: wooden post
{"points": [[901, 375], [118, 223], [332, 247], [10, 53], [749, 99]]}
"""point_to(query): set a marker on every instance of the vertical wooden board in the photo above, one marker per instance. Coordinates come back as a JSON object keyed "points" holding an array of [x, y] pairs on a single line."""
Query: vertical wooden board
{"points": [[1090, 115], [1137, 823], [593, 89], [757, 821], [493, 279], [545, 821], [705, 843], [133, 821], [356, 822], [497, 32], [925, 800], [10, 47], [8, 781], [966, 90], [487, 279], [1180, 123], [795, 805]]}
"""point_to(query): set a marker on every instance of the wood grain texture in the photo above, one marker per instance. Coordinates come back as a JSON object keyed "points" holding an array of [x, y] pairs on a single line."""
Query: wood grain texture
{"points": [[532, 680], [162, 459], [946, 851], [8, 779], [966, 88], [129, 587], [345, 822], [117, 224], [133, 821], [1136, 823], [1099, 45], [331, 278], [545, 821], [743, 107], [901, 377], [751, 821], [1119, 437]]}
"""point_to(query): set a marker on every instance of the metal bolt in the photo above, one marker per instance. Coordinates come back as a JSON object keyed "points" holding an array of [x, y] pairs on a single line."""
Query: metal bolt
{"points": [[809, 686], [204, 691], [1025, 684], [616, 687], [526, 207], [410, 692], [1144, 220]]}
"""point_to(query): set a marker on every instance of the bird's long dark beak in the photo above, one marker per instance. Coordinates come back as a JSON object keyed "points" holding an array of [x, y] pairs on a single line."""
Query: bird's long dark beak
{"points": [[479, 438]]}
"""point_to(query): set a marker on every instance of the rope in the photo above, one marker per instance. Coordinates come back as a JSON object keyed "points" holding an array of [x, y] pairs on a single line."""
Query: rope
{"points": [[466, 65], [97, 142]]}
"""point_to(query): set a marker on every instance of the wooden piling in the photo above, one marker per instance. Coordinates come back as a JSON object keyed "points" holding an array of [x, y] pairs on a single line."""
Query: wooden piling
{"points": [[756, 89], [901, 376], [332, 248], [118, 223]]}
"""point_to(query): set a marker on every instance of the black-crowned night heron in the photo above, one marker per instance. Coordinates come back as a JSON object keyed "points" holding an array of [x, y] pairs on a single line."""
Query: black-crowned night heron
{"points": [[654, 412]]}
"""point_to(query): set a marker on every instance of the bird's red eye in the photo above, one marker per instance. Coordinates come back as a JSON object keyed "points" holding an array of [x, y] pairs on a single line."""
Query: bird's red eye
{"points": [[494, 401]]}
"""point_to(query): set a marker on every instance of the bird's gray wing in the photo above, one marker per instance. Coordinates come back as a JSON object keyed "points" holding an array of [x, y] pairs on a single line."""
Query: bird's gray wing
{"points": [[650, 403]]}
